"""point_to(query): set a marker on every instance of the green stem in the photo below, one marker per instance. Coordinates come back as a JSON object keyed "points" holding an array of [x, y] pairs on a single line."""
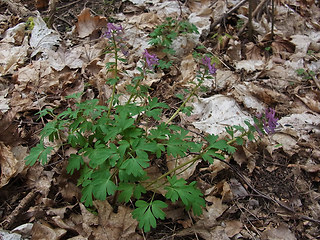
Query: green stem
{"points": [[185, 101], [174, 169], [191, 161], [235, 139], [115, 73]]}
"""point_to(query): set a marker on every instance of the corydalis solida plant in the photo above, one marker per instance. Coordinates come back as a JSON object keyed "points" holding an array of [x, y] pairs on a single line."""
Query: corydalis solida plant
{"points": [[115, 145]]}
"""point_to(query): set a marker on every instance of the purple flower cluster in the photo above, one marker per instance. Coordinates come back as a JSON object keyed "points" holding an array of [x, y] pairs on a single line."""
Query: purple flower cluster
{"points": [[151, 59], [211, 67], [116, 33], [112, 29], [269, 121]]}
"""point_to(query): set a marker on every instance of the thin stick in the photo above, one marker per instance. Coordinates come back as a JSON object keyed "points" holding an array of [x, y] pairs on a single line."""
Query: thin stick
{"points": [[218, 21], [255, 12]]}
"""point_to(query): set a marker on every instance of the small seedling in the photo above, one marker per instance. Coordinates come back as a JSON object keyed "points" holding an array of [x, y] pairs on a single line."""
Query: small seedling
{"points": [[305, 74]]}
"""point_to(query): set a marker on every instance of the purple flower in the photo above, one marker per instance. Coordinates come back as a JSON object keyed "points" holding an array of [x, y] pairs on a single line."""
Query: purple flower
{"points": [[272, 121], [211, 67], [151, 59], [267, 121], [112, 29]]}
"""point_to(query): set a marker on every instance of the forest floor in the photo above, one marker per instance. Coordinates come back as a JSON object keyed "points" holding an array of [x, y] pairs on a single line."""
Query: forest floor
{"points": [[267, 190]]}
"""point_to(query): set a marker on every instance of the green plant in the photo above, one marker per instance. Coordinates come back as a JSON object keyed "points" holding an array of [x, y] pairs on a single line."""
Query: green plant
{"points": [[164, 35], [305, 74], [116, 142]]}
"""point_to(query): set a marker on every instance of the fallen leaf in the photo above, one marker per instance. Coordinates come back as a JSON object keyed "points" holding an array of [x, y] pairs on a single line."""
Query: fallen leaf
{"points": [[8, 164], [66, 58], [233, 227], [88, 24], [250, 65], [115, 226], [215, 210], [42, 231], [12, 56], [302, 124], [311, 168], [4, 102], [218, 112], [42, 38], [279, 233], [15, 35], [237, 189]]}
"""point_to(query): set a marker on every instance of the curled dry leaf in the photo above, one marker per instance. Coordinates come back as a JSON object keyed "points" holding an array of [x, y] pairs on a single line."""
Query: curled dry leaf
{"points": [[15, 35]]}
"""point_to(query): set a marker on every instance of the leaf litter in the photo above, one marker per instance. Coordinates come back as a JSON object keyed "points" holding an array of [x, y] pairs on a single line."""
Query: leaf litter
{"points": [[250, 196]]}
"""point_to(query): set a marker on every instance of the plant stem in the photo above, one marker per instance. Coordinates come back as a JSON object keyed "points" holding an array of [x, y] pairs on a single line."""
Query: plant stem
{"points": [[115, 73], [175, 169], [185, 101]]}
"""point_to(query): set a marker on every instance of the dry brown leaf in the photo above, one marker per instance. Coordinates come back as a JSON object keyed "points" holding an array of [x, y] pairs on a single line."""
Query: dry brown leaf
{"points": [[37, 76], [254, 52], [310, 98], [12, 56], [43, 183], [145, 20], [88, 24], [114, 226], [237, 189], [233, 227], [215, 168], [42, 231], [215, 210], [4, 102], [311, 168], [15, 35], [267, 95], [8, 164], [280, 233], [188, 69], [65, 58], [41, 4]]}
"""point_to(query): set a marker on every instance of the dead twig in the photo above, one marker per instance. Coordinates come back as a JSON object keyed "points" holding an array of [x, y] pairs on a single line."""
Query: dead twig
{"points": [[218, 21], [255, 12], [7, 223]]}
